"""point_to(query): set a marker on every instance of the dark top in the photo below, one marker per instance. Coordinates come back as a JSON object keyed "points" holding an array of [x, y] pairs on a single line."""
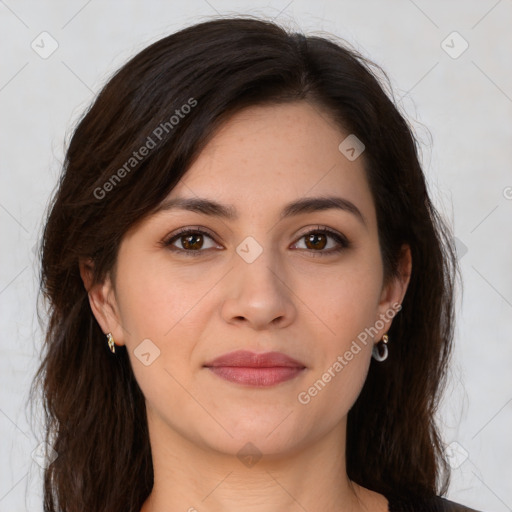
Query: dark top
{"points": [[435, 504]]}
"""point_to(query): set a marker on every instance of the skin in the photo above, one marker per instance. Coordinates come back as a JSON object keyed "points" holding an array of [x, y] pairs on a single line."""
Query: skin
{"points": [[293, 298]]}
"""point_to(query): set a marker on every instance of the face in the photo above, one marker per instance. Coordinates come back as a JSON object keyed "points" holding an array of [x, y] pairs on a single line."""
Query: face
{"points": [[195, 285]]}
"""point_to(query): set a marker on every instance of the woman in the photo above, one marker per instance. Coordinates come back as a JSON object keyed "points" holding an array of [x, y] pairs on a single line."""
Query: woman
{"points": [[242, 223]]}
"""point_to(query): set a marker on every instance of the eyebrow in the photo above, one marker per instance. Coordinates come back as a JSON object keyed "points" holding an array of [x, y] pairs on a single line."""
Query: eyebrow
{"points": [[229, 212]]}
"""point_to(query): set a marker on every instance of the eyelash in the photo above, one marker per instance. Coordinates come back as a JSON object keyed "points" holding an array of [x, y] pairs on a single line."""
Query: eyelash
{"points": [[341, 239]]}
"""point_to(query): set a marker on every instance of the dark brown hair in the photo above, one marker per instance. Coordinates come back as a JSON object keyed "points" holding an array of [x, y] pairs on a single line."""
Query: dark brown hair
{"points": [[94, 410]]}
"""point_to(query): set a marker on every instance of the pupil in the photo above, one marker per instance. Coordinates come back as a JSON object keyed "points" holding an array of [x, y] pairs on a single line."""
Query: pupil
{"points": [[314, 240], [190, 243]]}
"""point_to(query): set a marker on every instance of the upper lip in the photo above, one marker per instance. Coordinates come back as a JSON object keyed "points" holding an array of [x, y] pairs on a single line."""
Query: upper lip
{"points": [[244, 358]]}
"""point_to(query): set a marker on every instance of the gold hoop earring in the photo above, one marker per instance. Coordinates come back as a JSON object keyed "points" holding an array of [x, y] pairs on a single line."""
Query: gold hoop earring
{"points": [[111, 344], [380, 349]]}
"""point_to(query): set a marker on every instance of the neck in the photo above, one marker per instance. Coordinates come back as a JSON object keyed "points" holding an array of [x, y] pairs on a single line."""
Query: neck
{"points": [[191, 477]]}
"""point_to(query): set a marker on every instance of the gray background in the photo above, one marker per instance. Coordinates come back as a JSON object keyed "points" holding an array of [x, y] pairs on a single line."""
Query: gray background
{"points": [[460, 106]]}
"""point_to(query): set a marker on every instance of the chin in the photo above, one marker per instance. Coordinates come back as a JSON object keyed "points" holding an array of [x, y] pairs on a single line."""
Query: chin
{"points": [[268, 435]]}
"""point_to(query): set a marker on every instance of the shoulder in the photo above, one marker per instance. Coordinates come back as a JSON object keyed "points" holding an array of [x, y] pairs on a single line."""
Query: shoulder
{"points": [[433, 504], [445, 505]]}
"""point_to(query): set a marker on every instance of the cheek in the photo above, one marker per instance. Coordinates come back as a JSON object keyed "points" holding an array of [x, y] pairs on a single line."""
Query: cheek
{"points": [[333, 385], [171, 308], [345, 300], [158, 305], [342, 357], [154, 297]]}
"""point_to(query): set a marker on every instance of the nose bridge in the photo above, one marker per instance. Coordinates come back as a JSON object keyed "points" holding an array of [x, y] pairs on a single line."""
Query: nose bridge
{"points": [[258, 266], [259, 293]]}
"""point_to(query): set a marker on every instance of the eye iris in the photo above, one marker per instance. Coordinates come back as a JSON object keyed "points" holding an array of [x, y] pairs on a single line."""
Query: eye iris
{"points": [[191, 241], [314, 238]]}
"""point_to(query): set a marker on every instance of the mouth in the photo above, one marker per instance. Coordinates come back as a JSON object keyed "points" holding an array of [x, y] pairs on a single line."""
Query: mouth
{"points": [[257, 370]]}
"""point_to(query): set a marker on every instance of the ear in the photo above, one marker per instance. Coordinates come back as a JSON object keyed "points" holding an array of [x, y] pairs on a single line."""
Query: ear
{"points": [[393, 292], [103, 301]]}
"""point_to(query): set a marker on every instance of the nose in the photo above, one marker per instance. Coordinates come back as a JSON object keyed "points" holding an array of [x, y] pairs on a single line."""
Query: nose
{"points": [[259, 294]]}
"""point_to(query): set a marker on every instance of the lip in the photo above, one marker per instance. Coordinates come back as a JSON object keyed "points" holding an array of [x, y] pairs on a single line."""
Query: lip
{"points": [[258, 370], [253, 360]]}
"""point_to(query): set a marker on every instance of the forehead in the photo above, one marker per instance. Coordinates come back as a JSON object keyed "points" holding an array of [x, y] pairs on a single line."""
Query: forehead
{"points": [[267, 156]]}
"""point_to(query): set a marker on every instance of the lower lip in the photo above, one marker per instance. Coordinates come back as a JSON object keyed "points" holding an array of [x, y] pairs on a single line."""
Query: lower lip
{"points": [[258, 377]]}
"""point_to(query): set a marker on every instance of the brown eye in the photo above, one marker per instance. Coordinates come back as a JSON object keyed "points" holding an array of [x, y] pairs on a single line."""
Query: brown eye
{"points": [[191, 242], [316, 240], [320, 241]]}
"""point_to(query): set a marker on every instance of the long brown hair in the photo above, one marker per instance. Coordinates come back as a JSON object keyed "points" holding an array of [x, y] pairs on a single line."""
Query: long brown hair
{"points": [[94, 410]]}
